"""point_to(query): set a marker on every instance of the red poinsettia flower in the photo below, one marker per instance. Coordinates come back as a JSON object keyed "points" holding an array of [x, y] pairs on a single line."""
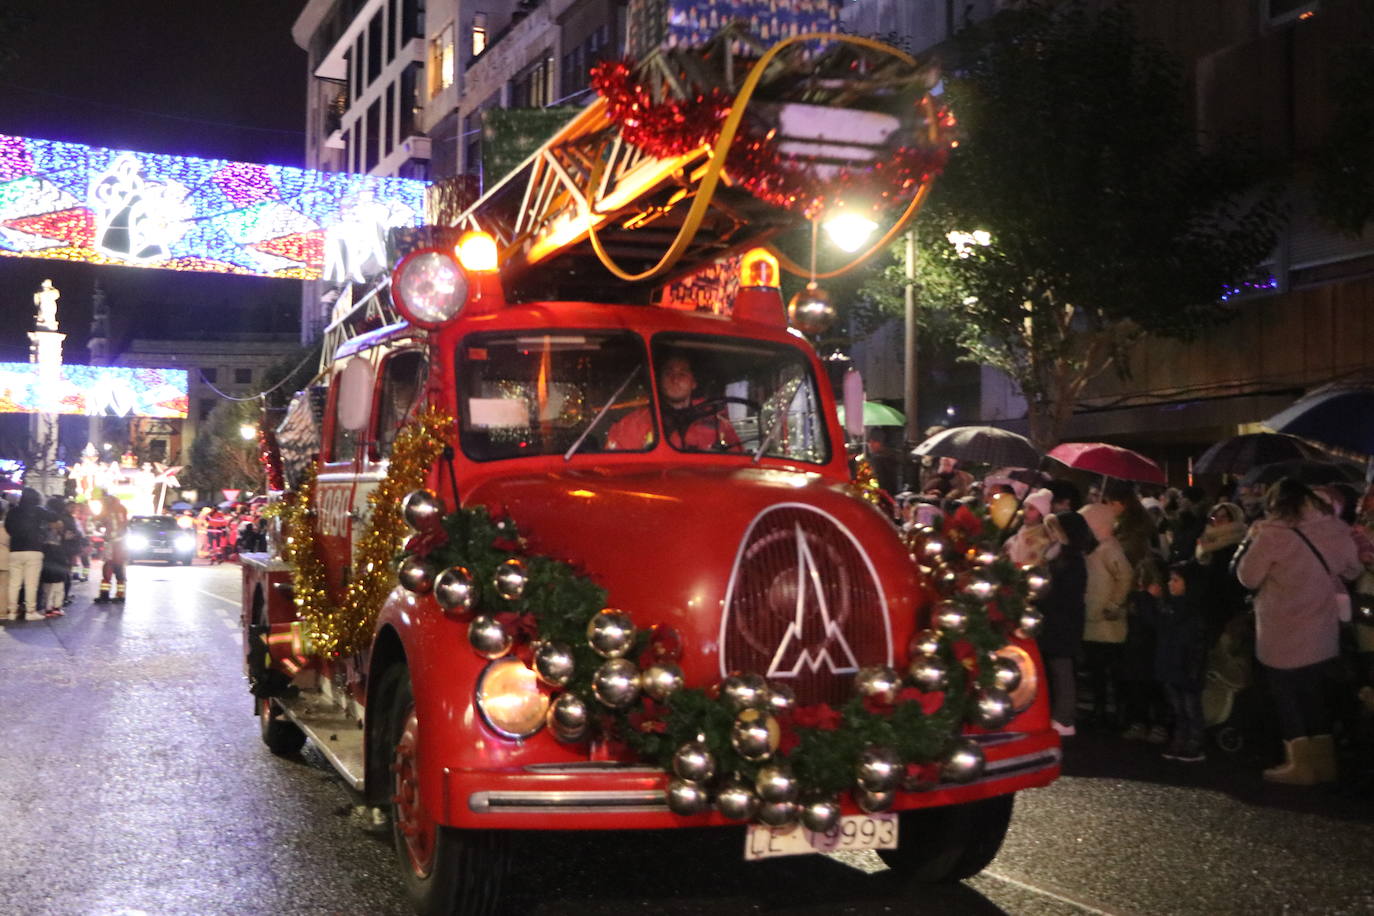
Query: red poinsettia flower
{"points": [[421, 544], [929, 701], [820, 716], [524, 627], [788, 739], [921, 775], [877, 706]]}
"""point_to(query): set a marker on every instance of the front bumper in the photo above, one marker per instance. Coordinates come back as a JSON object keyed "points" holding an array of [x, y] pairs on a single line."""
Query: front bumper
{"points": [[608, 795]]}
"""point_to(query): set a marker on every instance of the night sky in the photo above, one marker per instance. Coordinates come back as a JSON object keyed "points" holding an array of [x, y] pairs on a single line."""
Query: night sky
{"points": [[167, 76]]}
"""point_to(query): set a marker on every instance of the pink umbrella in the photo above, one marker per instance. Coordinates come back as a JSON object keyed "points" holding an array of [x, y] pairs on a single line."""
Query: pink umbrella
{"points": [[1108, 460]]}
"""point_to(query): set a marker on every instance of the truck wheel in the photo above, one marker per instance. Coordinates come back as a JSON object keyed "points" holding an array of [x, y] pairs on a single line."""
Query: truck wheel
{"points": [[282, 736], [950, 843], [445, 870]]}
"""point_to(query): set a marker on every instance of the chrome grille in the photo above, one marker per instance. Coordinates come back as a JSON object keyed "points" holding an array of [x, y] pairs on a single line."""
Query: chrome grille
{"points": [[803, 606]]}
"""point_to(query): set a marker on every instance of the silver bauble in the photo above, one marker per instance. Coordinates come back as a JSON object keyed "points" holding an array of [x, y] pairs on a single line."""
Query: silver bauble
{"points": [[777, 814], [782, 699], [616, 683], [422, 510], [964, 762], [661, 680], [554, 663], [736, 800], [569, 717], [980, 587], [1006, 673], [1037, 581], [933, 548], [992, 708], [820, 813], [811, 311], [611, 633], [415, 575], [776, 783], [926, 642], [455, 590], [874, 802], [744, 691], [929, 673], [510, 579], [754, 735], [879, 769], [950, 618], [1031, 621], [686, 797], [878, 682], [694, 761], [488, 637]]}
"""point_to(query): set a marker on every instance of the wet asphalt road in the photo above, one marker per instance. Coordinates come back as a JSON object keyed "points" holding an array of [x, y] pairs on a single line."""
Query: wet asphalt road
{"points": [[132, 781]]}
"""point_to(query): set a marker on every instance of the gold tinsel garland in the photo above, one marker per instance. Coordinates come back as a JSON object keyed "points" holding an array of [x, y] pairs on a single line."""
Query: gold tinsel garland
{"points": [[347, 627]]}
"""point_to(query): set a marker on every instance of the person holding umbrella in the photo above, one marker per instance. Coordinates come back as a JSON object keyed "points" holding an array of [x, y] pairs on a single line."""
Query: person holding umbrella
{"points": [[1297, 560], [1061, 636]]}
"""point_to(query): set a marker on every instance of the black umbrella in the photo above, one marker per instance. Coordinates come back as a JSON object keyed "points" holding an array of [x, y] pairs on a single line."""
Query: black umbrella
{"points": [[1239, 454], [983, 444], [1312, 473], [1341, 416]]}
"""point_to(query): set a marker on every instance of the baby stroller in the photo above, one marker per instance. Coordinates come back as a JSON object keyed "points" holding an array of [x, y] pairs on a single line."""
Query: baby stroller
{"points": [[1227, 692]]}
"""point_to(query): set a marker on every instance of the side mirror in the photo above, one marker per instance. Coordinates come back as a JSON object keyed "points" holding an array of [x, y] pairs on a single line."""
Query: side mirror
{"points": [[853, 404]]}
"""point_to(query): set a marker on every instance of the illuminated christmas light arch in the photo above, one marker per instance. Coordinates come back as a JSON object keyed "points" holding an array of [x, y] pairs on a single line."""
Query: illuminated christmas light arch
{"points": [[72, 202]]}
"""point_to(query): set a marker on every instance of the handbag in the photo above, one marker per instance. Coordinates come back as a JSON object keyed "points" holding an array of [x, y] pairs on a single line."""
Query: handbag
{"points": [[1344, 609]]}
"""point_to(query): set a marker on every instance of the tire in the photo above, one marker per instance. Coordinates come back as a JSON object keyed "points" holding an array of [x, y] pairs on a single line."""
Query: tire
{"points": [[282, 736], [444, 870], [950, 843], [1229, 739]]}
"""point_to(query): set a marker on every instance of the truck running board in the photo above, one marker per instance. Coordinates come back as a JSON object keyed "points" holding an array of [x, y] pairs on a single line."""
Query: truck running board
{"points": [[338, 735]]}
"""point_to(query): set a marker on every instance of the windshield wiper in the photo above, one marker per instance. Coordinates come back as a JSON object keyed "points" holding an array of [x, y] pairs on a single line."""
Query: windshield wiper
{"points": [[572, 449]]}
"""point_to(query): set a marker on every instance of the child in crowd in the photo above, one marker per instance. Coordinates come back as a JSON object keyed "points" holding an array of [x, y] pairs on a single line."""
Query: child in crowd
{"points": [[1180, 664], [1144, 705]]}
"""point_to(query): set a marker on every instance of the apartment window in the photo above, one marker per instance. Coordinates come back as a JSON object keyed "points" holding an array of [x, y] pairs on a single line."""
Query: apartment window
{"points": [[374, 47], [533, 88], [441, 63], [374, 131], [209, 375], [479, 33], [206, 405], [243, 376]]}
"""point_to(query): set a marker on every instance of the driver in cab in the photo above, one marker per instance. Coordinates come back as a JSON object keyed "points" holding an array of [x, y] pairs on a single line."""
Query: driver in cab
{"points": [[690, 423]]}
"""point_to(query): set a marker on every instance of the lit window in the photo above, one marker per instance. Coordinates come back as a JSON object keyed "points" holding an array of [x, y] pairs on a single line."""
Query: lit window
{"points": [[479, 33], [442, 67]]}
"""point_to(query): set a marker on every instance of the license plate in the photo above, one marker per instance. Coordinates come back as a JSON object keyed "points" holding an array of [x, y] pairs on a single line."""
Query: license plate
{"points": [[854, 831]]}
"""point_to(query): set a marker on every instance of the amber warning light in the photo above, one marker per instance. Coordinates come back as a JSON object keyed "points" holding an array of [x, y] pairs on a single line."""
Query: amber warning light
{"points": [[759, 268], [477, 252]]}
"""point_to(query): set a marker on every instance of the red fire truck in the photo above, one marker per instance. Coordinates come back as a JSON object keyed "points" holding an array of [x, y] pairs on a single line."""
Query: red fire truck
{"points": [[688, 467]]}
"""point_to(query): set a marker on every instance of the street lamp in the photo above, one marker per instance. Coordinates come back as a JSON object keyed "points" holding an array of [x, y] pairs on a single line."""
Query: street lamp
{"points": [[849, 231], [247, 432]]}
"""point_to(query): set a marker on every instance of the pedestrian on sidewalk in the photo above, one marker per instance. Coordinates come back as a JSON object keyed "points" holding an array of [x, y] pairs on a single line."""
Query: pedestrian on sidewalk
{"points": [[1296, 559], [1105, 625], [1061, 635], [1143, 700], [27, 524], [1181, 662]]}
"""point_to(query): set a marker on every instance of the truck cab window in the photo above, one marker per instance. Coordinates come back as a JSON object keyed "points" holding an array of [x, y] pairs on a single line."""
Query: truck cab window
{"points": [[403, 379], [542, 392]]}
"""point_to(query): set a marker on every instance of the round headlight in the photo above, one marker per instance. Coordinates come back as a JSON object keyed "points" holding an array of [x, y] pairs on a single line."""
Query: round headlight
{"points": [[185, 542], [509, 698], [138, 542], [1024, 693], [429, 287]]}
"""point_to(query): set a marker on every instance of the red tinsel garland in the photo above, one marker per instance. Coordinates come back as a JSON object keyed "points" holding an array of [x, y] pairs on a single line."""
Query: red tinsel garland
{"points": [[677, 126]]}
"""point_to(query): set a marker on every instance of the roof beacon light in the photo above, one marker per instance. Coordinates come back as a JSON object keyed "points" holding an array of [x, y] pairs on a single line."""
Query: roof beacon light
{"points": [[429, 287], [477, 252], [759, 268]]}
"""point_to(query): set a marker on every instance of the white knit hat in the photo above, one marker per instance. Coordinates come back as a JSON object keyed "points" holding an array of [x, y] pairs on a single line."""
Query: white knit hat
{"points": [[1040, 499]]}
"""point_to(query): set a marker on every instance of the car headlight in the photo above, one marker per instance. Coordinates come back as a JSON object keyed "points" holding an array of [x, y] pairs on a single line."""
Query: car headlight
{"points": [[138, 542], [509, 698], [185, 542], [1024, 694]]}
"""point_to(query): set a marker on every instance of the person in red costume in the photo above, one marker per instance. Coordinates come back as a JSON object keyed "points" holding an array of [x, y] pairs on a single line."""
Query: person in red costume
{"points": [[114, 521], [689, 424]]}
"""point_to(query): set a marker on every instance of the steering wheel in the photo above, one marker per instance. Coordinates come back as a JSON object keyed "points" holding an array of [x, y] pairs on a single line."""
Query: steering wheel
{"points": [[680, 419]]}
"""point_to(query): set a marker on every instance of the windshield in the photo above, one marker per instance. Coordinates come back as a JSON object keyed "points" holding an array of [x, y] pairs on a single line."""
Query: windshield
{"points": [[541, 393], [156, 523], [733, 395]]}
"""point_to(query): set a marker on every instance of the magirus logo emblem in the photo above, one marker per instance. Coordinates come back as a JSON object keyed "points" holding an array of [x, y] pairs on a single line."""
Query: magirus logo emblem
{"points": [[803, 605]]}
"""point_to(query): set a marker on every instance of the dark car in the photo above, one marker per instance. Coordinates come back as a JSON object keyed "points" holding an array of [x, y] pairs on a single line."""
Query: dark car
{"points": [[157, 537]]}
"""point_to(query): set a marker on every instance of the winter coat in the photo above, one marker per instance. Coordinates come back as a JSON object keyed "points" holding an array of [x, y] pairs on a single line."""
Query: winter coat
{"points": [[1028, 546], [1220, 596], [1295, 601], [1061, 633], [1109, 581], [27, 523], [1138, 658], [1180, 650]]}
